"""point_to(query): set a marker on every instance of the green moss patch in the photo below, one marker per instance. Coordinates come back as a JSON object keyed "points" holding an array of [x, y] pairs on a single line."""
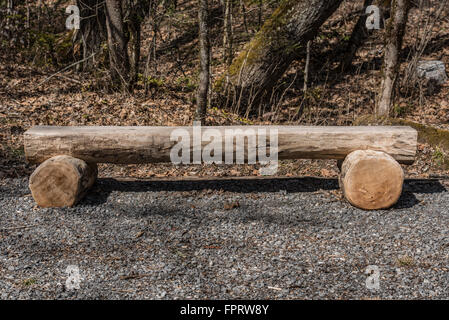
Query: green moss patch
{"points": [[435, 137]]}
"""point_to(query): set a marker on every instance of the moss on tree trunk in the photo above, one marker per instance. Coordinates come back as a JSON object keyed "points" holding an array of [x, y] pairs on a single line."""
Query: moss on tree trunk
{"points": [[264, 60]]}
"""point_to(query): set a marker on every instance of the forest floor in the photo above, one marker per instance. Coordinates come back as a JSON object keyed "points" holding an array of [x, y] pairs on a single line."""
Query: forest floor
{"points": [[33, 94]]}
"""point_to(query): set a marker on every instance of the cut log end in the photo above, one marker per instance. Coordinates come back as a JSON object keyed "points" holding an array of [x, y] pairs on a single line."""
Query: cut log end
{"points": [[371, 180], [62, 181]]}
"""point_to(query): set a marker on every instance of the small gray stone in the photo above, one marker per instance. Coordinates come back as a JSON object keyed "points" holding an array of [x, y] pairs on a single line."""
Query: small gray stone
{"points": [[434, 71]]}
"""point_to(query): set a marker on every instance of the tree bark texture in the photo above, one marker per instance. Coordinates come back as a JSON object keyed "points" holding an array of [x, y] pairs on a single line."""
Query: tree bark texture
{"points": [[267, 56], [117, 43], [203, 89], [395, 30]]}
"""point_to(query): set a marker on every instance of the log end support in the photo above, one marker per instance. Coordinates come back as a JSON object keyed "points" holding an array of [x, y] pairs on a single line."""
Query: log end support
{"points": [[371, 180], [62, 181]]}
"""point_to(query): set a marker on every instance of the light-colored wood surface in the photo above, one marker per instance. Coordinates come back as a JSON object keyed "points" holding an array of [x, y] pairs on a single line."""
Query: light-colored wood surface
{"points": [[62, 181], [126, 145], [371, 179]]}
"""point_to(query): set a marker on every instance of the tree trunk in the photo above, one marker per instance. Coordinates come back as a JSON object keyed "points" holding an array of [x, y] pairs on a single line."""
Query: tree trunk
{"points": [[135, 33], [9, 6], [265, 59], [395, 30], [306, 68], [92, 30], [227, 34], [135, 13], [9, 11], [358, 36], [117, 43], [243, 10], [203, 88], [360, 33]]}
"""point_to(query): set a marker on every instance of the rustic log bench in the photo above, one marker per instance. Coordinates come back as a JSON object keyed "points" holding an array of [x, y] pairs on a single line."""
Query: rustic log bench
{"points": [[369, 157]]}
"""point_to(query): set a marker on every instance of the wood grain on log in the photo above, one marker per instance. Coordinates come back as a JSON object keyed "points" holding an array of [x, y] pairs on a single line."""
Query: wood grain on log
{"points": [[62, 181], [371, 179], [124, 145]]}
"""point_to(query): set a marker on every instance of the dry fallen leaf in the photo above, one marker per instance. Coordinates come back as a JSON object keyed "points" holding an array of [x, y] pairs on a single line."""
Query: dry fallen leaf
{"points": [[327, 173], [231, 205], [139, 234]]}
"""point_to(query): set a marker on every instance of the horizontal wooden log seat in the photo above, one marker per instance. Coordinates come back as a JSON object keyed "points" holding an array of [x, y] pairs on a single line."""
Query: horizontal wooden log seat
{"points": [[369, 156]]}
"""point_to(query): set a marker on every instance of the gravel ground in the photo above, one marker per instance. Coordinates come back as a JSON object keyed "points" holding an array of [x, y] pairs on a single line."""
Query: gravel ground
{"points": [[244, 238]]}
